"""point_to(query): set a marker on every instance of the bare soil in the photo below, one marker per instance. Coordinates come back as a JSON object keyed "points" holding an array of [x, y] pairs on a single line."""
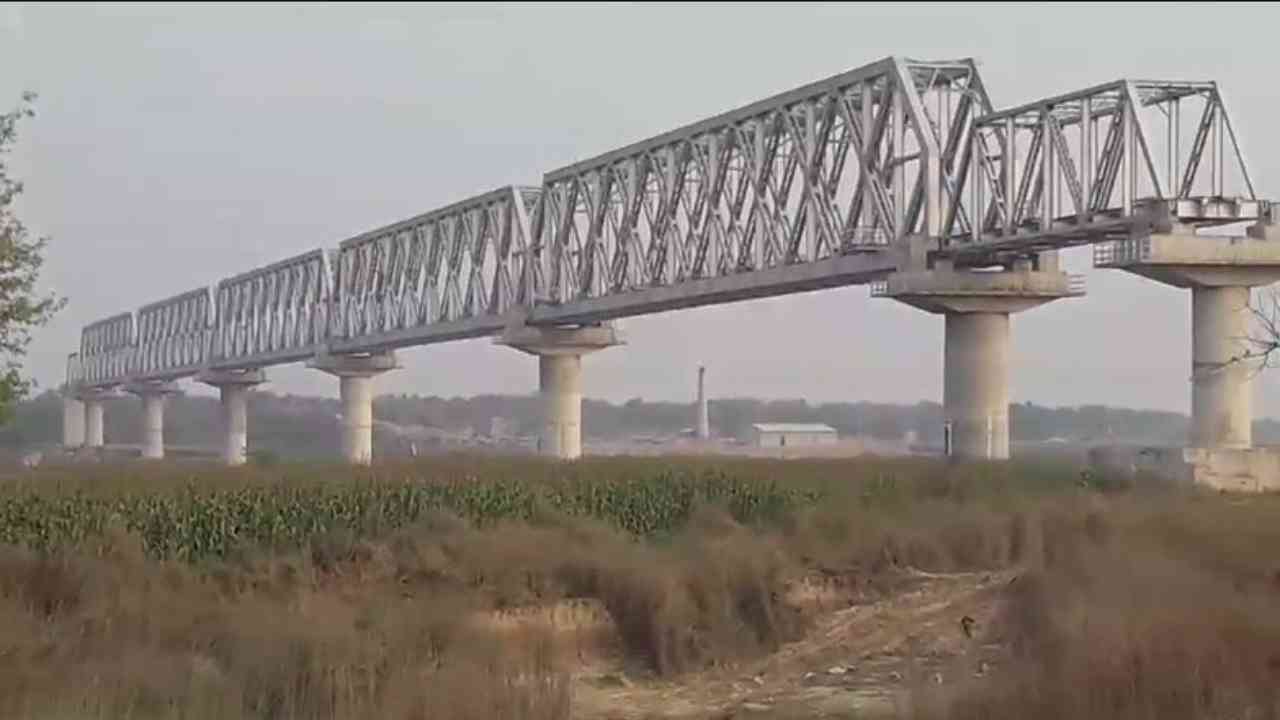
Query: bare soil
{"points": [[864, 653]]}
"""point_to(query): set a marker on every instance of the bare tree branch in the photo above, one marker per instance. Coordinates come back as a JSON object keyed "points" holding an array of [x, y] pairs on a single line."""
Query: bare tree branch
{"points": [[1260, 346]]}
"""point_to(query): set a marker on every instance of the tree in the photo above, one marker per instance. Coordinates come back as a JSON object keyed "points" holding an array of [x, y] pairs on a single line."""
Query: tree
{"points": [[1261, 343], [21, 257]]}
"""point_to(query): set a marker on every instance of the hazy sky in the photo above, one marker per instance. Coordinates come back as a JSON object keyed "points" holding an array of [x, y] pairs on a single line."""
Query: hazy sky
{"points": [[178, 145]]}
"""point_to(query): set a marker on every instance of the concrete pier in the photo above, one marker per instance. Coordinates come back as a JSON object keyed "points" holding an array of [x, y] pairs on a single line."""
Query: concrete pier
{"points": [[1219, 272], [72, 422], [1221, 402], [977, 306], [153, 400], [355, 375], [559, 351], [234, 386], [93, 420], [976, 383], [94, 415]]}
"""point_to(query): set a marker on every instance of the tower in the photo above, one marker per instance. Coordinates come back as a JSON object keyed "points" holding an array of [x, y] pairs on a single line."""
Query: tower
{"points": [[704, 423]]}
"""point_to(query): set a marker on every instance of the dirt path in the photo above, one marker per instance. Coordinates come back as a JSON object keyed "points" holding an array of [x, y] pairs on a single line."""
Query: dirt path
{"points": [[857, 660]]}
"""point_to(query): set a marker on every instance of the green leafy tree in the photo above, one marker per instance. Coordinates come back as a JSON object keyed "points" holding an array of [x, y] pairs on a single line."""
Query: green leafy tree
{"points": [[22, 309]]}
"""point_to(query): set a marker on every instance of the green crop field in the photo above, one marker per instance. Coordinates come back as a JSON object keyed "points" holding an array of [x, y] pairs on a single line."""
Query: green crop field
{"points": [[193, 522], [199, 513]]}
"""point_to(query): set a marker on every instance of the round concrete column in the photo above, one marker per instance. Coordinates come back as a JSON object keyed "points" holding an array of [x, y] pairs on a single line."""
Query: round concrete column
{"points": [[355, 375], [559, 351], [235, 423], [153, 399], [357, 418], [1221, 413], [233, 386], [93, 423], [560, 384], [72, 422], [976, 384], [153, 425], [977, 306]]}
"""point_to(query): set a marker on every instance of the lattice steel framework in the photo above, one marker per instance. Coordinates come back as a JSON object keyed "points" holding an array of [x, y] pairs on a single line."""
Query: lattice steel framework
{"points": [[816, 187], [106, 350], [840, 166], [174, 336], [1097, 164], [275, 314], [75, 374], [447, 274]]}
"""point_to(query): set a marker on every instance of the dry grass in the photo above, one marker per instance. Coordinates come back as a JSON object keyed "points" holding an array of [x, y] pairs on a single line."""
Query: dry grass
{"points": [[1138, 610], [352, 628], [1128, 605], [107, 633]]}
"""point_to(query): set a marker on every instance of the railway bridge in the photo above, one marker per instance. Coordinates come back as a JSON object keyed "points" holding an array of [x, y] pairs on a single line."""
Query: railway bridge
{"points": [[900, 175]]}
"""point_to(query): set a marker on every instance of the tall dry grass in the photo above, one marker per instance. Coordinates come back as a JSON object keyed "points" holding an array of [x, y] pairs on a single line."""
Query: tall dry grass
{"points": [[105, 632], [1139, 609], [1129, 604], [399, 626]]}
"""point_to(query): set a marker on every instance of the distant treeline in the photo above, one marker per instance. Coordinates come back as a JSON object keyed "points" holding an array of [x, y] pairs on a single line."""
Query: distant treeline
{"points": [[301, 426], [733, 417]]}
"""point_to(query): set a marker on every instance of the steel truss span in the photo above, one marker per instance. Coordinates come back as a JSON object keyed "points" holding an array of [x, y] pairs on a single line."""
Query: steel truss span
{"points": [[173, 336], [448, 274], [1100, 164], [275, 314], [821, 186]]}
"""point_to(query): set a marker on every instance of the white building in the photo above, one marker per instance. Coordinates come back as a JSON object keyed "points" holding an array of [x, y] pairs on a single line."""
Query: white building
{"points": [[778, 435]]}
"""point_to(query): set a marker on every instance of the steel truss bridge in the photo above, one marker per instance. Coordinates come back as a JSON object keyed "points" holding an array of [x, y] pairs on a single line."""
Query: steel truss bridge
{"points": [[820, 186]]}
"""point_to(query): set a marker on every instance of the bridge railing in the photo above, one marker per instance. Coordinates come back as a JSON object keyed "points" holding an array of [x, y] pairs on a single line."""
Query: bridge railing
{"points": [[1119, 252], [1076, 284]]}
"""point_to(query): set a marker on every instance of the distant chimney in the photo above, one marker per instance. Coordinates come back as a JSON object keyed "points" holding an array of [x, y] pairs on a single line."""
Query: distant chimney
{"points": [[704, 423]]}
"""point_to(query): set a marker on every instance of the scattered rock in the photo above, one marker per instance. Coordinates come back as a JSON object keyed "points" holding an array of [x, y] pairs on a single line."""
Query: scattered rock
{"points": [[837, 670], [758, 680], [756, 707], [895, 676]]}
